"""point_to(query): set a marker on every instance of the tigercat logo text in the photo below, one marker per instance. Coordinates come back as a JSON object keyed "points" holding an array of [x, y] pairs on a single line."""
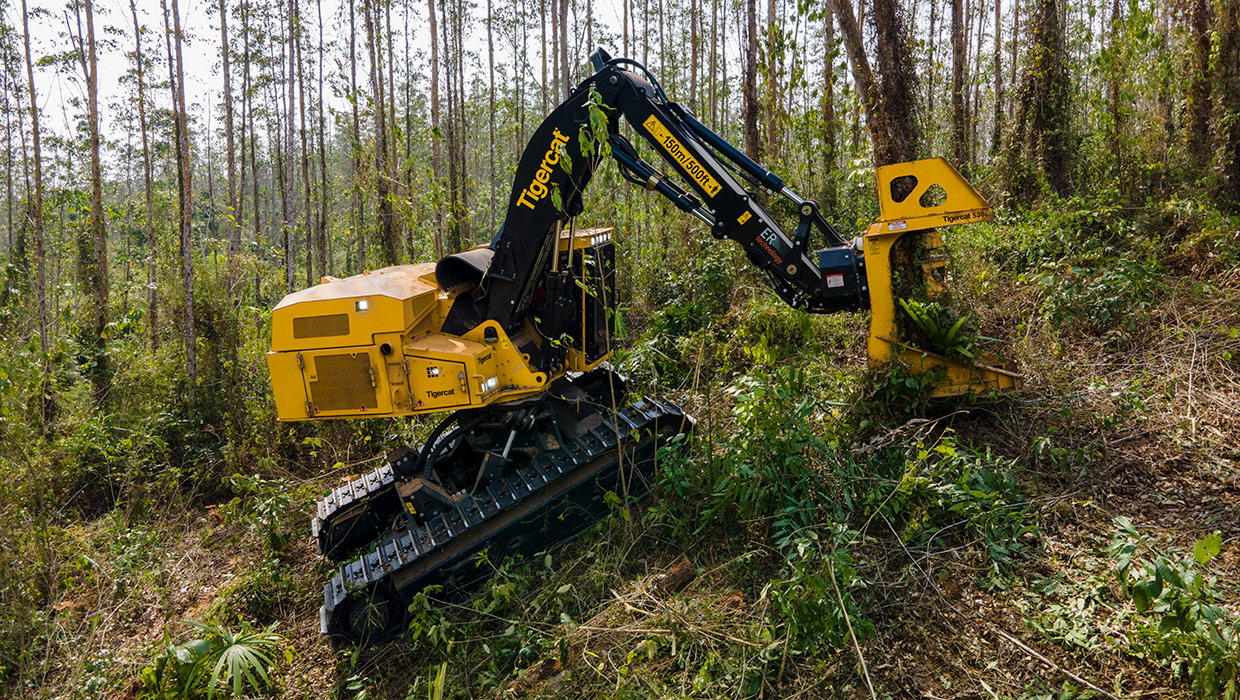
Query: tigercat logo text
{"points": [[537, 188], [975, 214], [438, 394], [695, 170]]}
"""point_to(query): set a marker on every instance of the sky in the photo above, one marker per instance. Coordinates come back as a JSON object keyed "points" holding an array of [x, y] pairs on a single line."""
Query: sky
{"points": [[203, 73]]}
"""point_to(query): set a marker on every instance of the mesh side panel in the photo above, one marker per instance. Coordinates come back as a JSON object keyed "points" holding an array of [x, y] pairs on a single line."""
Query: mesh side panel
{"points": [[343, 384], [321, 326]]}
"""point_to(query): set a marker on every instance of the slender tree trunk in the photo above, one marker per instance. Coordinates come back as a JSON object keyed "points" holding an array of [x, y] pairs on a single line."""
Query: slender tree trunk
{"points": [[774, 54], [693, 56], [8, 155], [100, 373], [436, 161], [247, 95], [454, 232], [326, 261], [996, 134], [36, 215], [542, 10], [714, 62], [752, 144], [176, 75], [387, 234], [494, 176], [828, 112], [565, 71], [627, 11], [307, 214], [462, 201], [234, 227], [974, 108], [932, 96], [1014, 43], [555, 51], [359, 200]]}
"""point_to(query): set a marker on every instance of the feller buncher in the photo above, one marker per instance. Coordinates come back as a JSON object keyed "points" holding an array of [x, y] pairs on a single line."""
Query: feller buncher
{"points": [[512, 340]]}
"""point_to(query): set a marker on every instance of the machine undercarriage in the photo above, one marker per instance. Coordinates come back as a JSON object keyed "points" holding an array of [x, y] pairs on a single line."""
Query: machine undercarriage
{"points": [[514, 479]]}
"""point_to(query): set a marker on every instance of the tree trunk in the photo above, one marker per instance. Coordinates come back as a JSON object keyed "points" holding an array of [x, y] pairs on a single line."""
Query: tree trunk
{"points": [[863, 78], [774, 53], [326, 261], [693, 55], [714, 61], [176, 76], [290, 95], [828, 112], [436, 133], [542, 10], [36, 214], [248, 108], [387, 235], [1200, 80], [997, 126], [753, 146], [565, 72], [359, 200], [959, 154], [100, 373], [899, 81], [234, 227], [1015, 44], [494, 176], [8, 154], [1228, 118], [305, 150], [1040, 135], [454, 232]]}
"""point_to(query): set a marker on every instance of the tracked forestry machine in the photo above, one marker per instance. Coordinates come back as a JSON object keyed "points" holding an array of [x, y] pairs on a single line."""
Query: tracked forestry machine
{"points": [[512, 340]]}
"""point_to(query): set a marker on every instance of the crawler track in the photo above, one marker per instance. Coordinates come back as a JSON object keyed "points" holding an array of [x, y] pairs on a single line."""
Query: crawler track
{"points": [[429, 525]]}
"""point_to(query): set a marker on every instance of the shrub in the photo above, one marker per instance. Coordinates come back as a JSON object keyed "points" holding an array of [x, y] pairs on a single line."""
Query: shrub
{"points": [[1187, 624]]}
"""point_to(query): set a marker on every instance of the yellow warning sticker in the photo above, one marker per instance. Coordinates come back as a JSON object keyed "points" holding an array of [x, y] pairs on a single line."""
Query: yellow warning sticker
{"points": [[678, 153], [743, 218]]}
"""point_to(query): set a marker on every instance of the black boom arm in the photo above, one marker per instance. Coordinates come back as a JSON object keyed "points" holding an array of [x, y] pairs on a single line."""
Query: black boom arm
{"points": [[554, 171]]}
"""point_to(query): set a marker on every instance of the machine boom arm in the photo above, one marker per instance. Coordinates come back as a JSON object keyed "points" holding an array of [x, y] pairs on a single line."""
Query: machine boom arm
{"points": [[560, 161]]}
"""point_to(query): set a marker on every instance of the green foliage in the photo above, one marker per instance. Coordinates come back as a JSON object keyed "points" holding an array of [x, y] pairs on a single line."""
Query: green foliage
{"points": [[1187, 622], [265, 503], [264, 593], [1110, 300], [891, 392], [776, 474], [219, 663], [814, 596], [947, 333], [953, 492], [772, 463]]}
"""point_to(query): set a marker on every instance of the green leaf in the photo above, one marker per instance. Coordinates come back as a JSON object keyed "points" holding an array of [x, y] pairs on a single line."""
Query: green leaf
{"points": [[1207, 547], [1141, 597]]}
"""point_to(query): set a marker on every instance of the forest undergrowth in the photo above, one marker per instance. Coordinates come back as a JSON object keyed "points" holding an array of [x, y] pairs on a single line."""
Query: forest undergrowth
{"points": [[829, 531]]}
